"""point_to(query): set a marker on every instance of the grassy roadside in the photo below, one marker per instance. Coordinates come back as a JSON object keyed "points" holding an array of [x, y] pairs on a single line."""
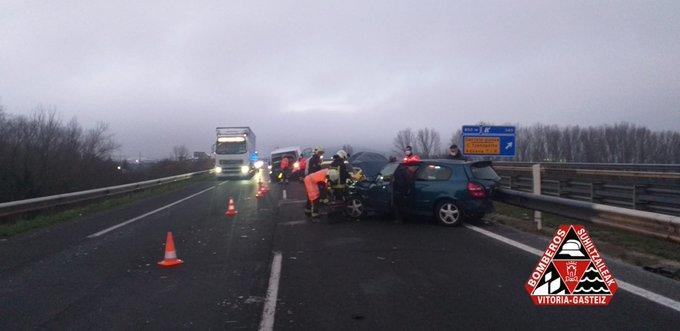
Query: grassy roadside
{"points": [[48, 219], [635, 249]]}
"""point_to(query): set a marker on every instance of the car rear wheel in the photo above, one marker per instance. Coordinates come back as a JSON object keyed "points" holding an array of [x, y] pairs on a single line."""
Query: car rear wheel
{"points": [[448, 213], [355, 208]]}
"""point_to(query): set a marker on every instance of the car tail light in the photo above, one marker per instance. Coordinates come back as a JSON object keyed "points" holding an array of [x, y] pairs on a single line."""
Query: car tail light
{"points": [[476, 190]]}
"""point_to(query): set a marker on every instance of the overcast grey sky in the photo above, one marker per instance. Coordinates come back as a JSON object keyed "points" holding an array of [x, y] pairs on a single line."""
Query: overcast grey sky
{"points": [[326, 72]]}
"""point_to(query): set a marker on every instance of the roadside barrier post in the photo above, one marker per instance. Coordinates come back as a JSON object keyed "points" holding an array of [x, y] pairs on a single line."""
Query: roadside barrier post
{"points": [[536, 178]]}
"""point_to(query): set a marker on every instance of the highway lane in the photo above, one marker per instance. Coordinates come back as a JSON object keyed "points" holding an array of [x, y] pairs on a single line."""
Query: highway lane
{"points": [[23, 249], [112, 281], [372, 274], [376, 274]]}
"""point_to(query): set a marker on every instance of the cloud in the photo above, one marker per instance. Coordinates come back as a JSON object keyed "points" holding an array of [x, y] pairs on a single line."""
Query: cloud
{"points": [[310, 72]]}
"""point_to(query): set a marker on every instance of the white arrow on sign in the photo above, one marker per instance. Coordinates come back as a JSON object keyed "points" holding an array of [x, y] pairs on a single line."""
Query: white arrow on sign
{"points": [[509, 145]]}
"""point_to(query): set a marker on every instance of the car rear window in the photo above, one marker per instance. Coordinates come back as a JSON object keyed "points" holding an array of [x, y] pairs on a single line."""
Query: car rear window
{"points": [[483, 170], [433, 173]]}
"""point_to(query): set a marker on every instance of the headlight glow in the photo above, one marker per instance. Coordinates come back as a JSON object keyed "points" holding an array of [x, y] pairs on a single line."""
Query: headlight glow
{"points": [[296, 165], [269, 167], [245, 169], [230, 139], [258, 164], [218, 169]]}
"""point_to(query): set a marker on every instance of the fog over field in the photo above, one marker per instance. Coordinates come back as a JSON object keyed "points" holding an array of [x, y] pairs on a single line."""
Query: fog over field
{"points": [[334, 72]]}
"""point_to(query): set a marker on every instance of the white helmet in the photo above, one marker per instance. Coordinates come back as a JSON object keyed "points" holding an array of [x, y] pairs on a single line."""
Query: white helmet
{"points": [[341, 153], [333, 175]]}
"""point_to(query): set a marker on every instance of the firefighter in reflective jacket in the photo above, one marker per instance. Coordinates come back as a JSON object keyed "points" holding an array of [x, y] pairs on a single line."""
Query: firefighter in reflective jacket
{"points": [[312, 182], [314, 163], [338, 163]]}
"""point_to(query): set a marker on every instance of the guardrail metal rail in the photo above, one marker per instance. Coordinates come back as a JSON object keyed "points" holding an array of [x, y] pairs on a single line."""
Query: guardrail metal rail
{"points": [[661, 226], [597, 166], [654, 191], [41, 203]]}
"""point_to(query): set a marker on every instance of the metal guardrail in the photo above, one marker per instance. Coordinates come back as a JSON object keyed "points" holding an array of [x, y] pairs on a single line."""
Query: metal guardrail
{"points": [[645, 167], [36, 204], [653, 191], [661, 226]]}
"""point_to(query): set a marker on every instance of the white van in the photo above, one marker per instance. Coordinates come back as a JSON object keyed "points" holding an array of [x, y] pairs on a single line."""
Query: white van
{"points": [[293, 152]]}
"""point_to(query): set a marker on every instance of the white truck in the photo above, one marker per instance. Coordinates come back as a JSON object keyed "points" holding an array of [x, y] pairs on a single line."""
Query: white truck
{"points": [[235, 152]]}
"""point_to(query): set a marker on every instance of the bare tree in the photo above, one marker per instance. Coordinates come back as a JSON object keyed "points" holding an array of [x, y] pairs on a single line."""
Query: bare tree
{"points": [[98, 142], [618, 143], [456, 138], [181, 153], [41, 155], [429, 142], [404, 138]]}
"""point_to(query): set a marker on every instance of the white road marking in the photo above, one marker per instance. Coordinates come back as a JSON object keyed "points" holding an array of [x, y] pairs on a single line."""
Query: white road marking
{"points": [[651, 296], [295, 222], [284, 194], [269, 309], [508, 241], [94, 235]]}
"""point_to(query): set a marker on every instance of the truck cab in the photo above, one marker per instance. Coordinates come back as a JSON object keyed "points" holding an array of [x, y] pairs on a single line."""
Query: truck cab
{"points": [[235, 152]]}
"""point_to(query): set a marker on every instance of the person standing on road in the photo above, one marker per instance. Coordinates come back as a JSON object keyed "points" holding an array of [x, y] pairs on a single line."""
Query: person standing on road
{"points": [[285, 168], [338, 187], [302, 165], [339, 160], [455, 154], [314, 163], [403, 181], [404, 177]]}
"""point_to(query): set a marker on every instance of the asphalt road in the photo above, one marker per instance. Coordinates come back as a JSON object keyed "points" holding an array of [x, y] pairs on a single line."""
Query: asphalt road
{"points": [[335, 274]]}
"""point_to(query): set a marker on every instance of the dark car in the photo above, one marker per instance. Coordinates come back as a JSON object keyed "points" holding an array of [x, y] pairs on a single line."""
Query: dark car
{"points": [[449, 190]]}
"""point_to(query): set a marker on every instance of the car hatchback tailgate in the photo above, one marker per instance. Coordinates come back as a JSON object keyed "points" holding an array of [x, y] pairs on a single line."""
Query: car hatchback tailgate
{"points": [[483, 173]]}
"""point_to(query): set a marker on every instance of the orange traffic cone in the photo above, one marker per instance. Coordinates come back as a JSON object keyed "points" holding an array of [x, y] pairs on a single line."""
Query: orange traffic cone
{"points": [[170, 259], [231, 210], [259, 194]]}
